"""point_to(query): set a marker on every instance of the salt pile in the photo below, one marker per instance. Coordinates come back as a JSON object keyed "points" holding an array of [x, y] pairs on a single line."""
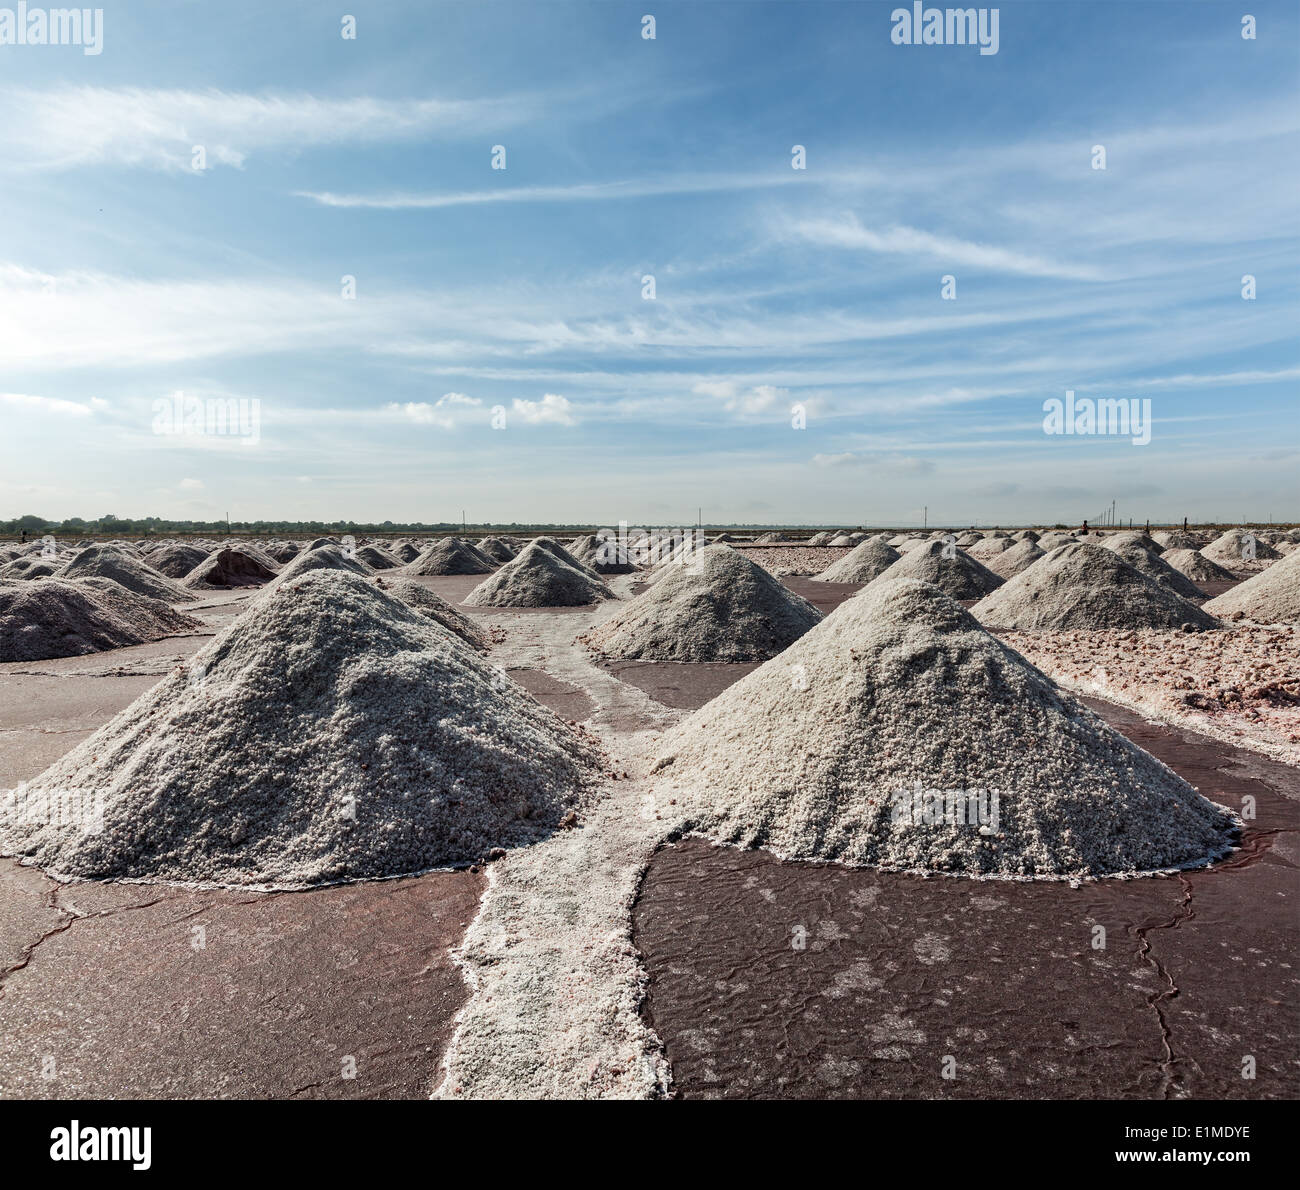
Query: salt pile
{"points": [[1051, 541], [842, 540], [451, 556], [226, 569], [175, 560], [771, 539], [1271, 597], [556, 550], [1233, 549], [956, 574], [25, 569], [330, 733], [861, 564], [840, 748], [284, 552], [325, 557], [70, 618], [1176, 540], [1155, 567], [495, 549], [1021, 556], [721, 607], [1131, 537], [1196, 566], [601, 556], [990, 547], [107, 561], [538, 578], [436, 608], [1086, 586], [376, 558]]}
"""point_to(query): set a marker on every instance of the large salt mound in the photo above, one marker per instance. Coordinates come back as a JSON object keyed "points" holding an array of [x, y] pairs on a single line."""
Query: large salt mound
{"points": [[556, 550], [225, 569], [1021, 556], [1155, 567], [451, 556], [325, 557], [1196, 566], [1231, 548], [537, 578], [820, 754], [1086, 586], [1133, 537], [436, 608], [496, 549], [1271, 597], [721, 607], [959, 576], [861, 564], [107, 561], [330, 733], [376, 558], [176, 560], [70, 618]]}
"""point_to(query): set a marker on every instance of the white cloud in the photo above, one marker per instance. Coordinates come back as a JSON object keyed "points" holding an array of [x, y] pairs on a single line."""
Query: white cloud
{"points": [[37, 404], [552, 408], [191, 485], [447, 411], [158, 129], [905, 464]]}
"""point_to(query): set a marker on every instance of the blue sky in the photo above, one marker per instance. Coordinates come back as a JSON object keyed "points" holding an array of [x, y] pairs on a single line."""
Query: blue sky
{"points": [[126, 275]]}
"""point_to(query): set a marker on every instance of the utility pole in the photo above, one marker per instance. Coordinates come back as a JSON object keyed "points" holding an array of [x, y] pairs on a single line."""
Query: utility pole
{"points": [[925, 517]]}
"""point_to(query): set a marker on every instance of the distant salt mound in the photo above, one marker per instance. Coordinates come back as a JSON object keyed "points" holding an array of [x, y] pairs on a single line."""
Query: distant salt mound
{"points": [[861, 564], [1196, 566], [909, 544], [1155, 567], [106, 561], [71, 618], [26, 569], [496, 549], [451, 556], [1233, 549], [377, 558], [602, 557], [227, 569], [325, 557], [842, 540], [846, 746], [538, 578], [959, 576], [1271, 597], [1133, 537], [969, 538], [556, 550], [406, 552], [1176, 540], [817, 540], [722, 607], [1051, 541], [990, 547], [1086, 586], [322, 542], [176, 560], [285, 551], [1025, 535], [771, 539], [427, 603], [330, 733], [1021, 556]]}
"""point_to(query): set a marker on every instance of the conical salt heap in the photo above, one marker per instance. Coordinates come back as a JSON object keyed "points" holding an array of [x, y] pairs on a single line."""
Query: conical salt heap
{"points": [[1130, 537], [1196, 566], [438, 609], [538, 578], [70, 618], [451, 556], [719, 607], [377, 558], [227, 568], [176, 560], [27, 569], [1155, 567], [1086, 586], [324, 557], [108, 561], [329, 733], [955, 573], [1234, 549], [861, 564], [495, 549], [601, 556], [1021, 556], [836, 750], [1271, 597]]}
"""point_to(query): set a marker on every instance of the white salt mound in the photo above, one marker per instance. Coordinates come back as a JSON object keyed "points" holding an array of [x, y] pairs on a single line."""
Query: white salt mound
{"points": [[1232, 548], [176, 560], [601, 557], [1021, 556], [330, 733], [538, 578], [861, 564], [436, 608], [107, 561], [26, 569], [325, 557], [1155, 567], [820, 754], [1133, 537], [226, 569], [721, 607], [1196, 566], [959, 576], [1086, 586], [496, 549], [1176, 539], [70, 618], [1271, 597], [451, 556], [377, 558]]}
